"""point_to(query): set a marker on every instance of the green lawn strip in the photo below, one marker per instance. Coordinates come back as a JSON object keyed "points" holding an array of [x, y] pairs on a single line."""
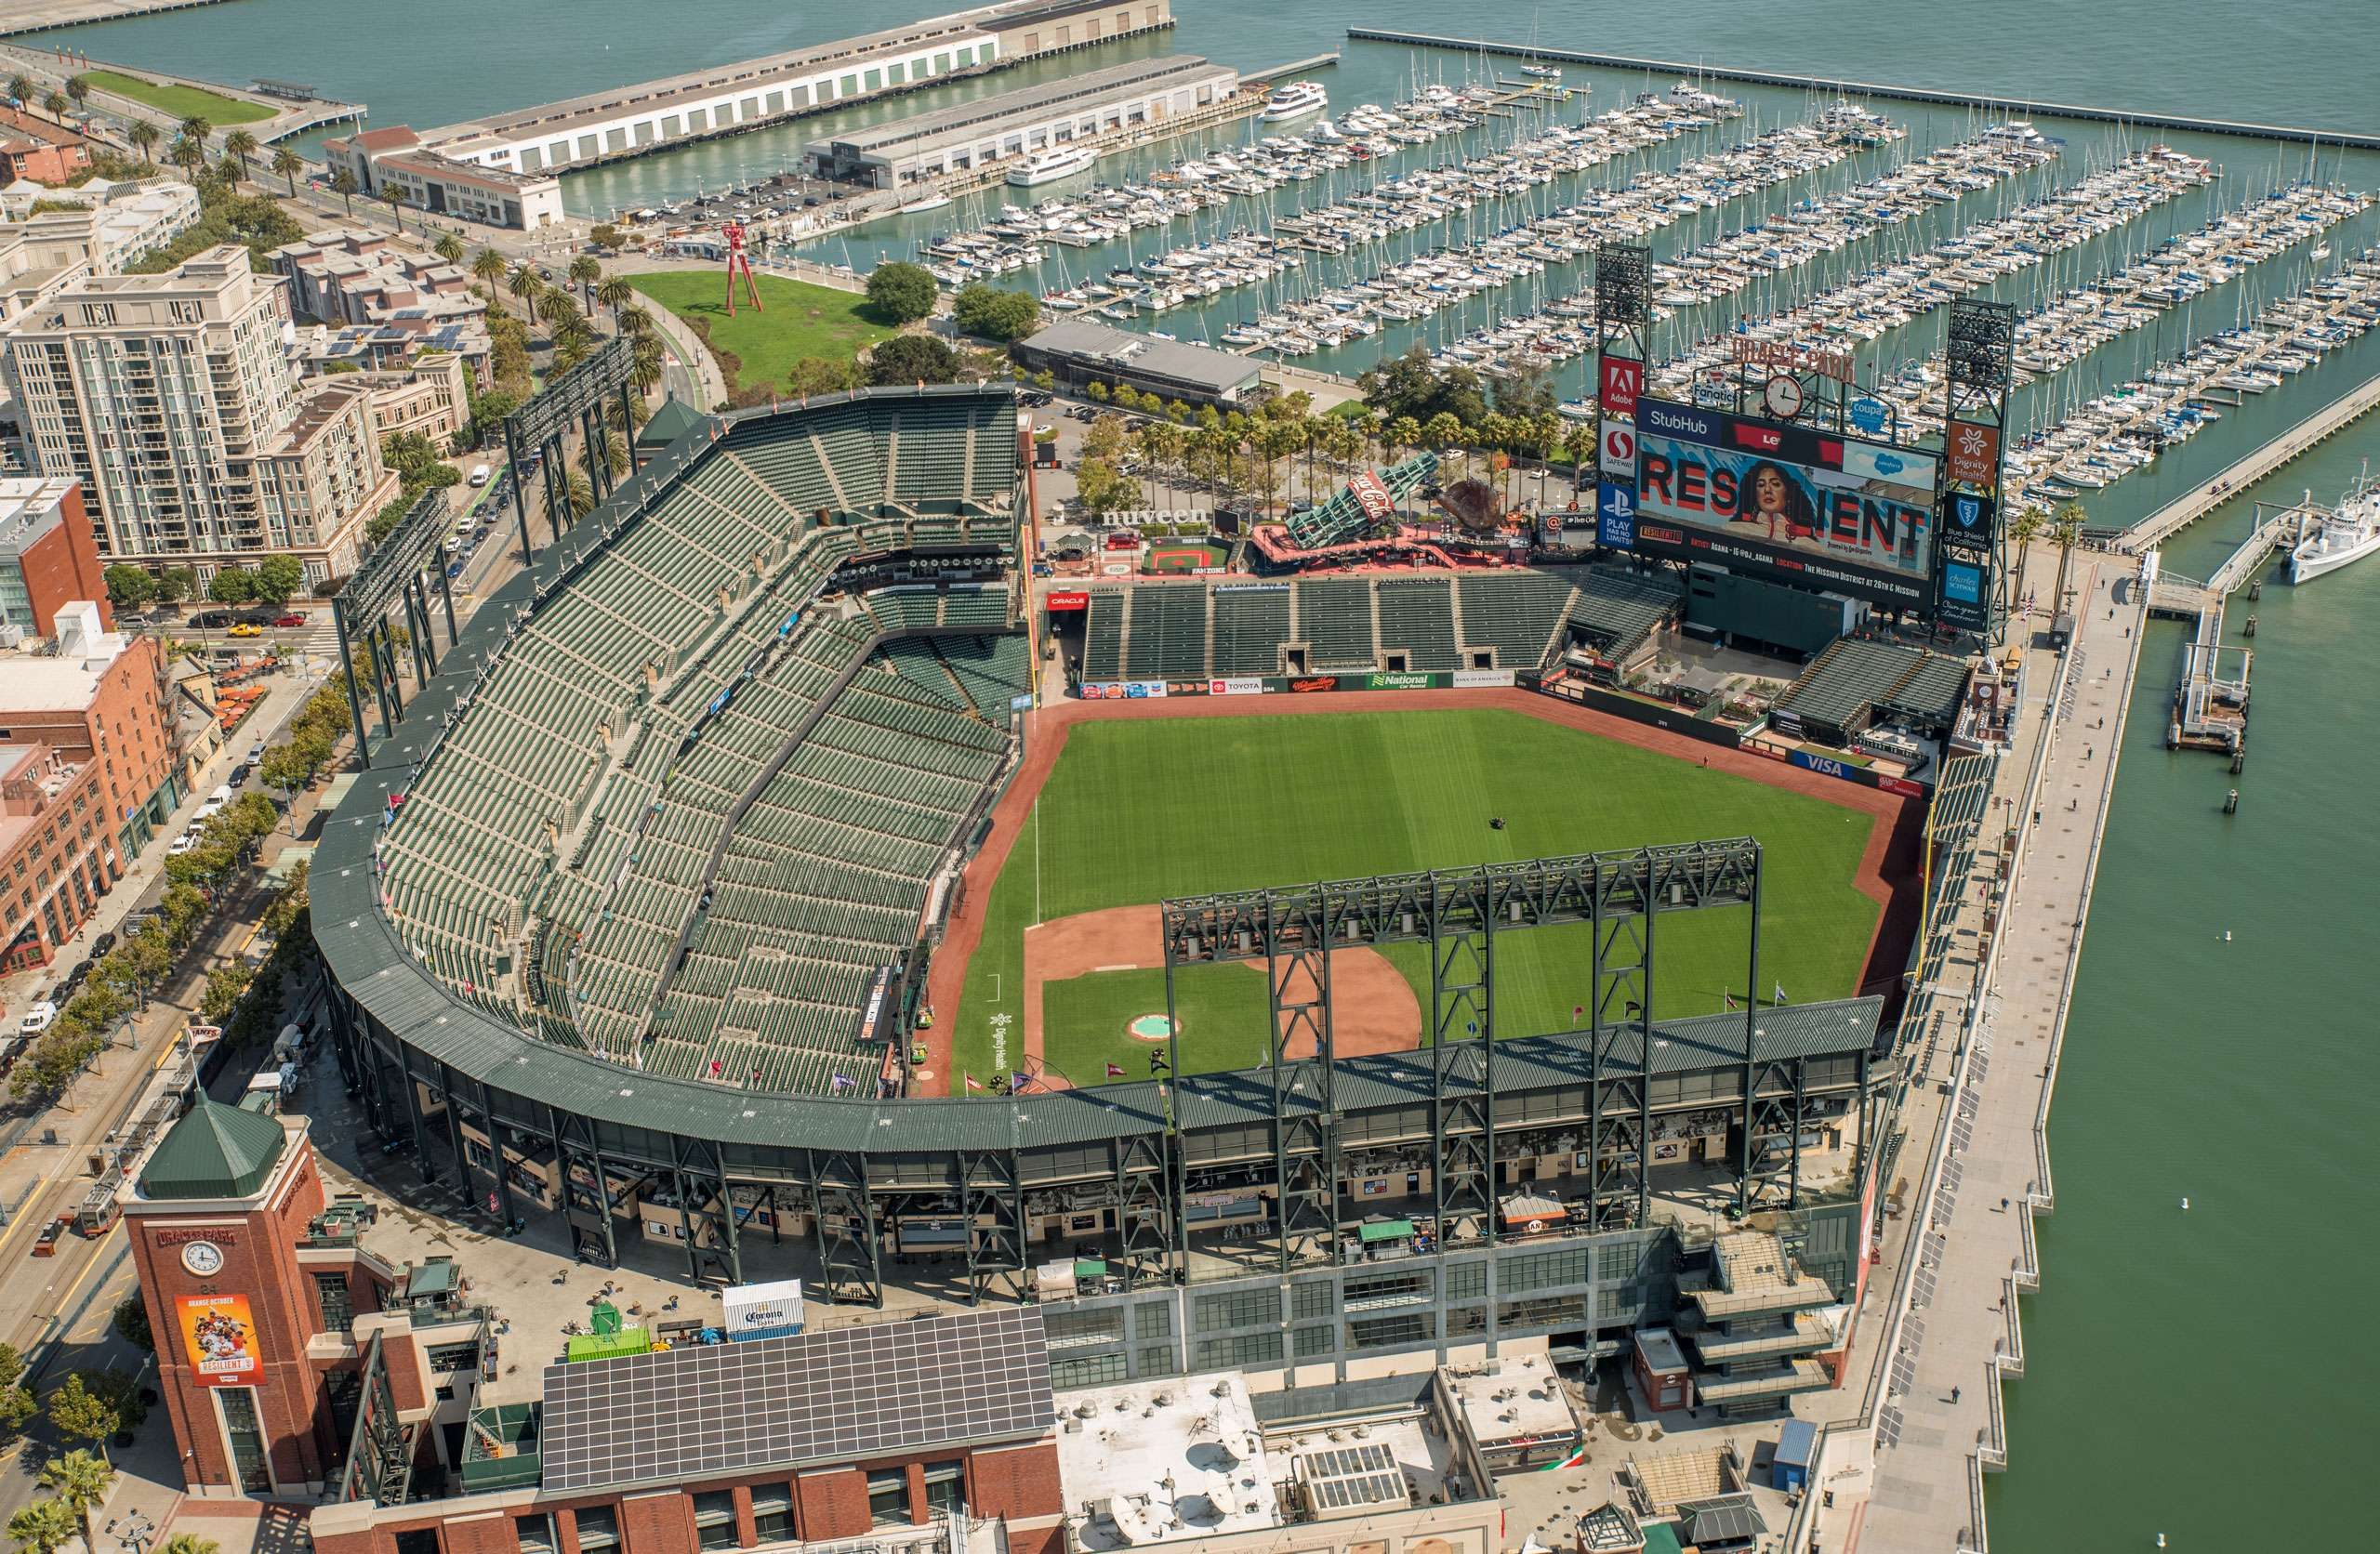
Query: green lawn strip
{"points": [[180, 101], [795, 320], [1139, 810]]}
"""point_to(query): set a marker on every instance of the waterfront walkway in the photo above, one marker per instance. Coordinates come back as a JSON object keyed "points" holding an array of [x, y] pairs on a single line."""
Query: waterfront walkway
{"points": [[1980, 1104], [2228, 483]]}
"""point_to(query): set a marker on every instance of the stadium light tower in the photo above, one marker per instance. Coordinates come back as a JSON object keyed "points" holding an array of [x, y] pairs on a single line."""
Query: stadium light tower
{"points": [[738, 259]]}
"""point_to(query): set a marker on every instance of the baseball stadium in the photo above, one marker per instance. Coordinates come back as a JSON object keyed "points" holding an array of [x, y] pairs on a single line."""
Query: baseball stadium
{"points": [[778, 860]]}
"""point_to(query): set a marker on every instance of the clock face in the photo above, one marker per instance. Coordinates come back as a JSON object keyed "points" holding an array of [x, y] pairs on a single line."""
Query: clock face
{"points": [[204, 1258], [1783, 396]]}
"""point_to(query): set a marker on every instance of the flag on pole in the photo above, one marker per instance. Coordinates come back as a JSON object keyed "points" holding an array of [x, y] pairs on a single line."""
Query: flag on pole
{"points": [[973, 1082], [842, 1082], [1016, 1080], [1115, 1071], [1779, 996], [1730, 999]]}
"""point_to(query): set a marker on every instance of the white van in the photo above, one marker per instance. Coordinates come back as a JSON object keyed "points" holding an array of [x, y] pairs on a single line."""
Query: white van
{"points": [[482, 474], [38, 1020]]}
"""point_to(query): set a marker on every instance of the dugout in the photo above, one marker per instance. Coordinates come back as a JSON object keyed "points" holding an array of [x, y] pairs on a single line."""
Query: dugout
{"points": [[1751, 613]]}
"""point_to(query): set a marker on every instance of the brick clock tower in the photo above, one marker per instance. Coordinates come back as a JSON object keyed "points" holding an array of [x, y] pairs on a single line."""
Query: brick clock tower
{"points": [[214, 1227]]}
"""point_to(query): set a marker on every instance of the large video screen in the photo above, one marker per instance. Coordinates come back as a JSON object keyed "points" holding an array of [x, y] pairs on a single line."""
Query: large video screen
{"points": [[1785, 501]]}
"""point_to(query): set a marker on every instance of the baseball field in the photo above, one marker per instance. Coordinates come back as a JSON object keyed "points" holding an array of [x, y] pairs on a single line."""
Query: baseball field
{"points": [[1064, 983]]}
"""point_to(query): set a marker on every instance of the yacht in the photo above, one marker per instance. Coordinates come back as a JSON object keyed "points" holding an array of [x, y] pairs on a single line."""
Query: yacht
{"points": [[2329, 541], [1049, 166], [1543, 72], [1295, 102], [930, 202]]}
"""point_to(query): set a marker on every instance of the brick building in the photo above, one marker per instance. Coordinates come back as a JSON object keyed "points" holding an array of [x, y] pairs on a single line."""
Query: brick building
{"points": [[39, 149], [48, 558], [100, 701]]}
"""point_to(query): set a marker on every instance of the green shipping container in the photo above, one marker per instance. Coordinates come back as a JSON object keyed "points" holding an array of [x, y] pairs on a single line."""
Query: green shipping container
{"points": [[606, 1346]]}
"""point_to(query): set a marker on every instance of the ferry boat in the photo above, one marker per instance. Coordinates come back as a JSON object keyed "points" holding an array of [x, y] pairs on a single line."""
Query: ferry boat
{"points": [[1049, 166], [2329, 541], [1295, 102]]}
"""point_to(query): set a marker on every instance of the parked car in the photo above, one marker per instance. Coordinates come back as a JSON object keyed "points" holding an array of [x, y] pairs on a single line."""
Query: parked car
{"points": [[255, 754], [37, 1019], [72, 981], [211, 620], [182, 844], [103, 943], [240, 772], [46, 1244], [289, 619]]}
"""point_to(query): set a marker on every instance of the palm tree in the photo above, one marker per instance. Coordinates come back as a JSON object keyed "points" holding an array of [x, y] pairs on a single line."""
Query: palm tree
{"points": [[396, 202], [2022, 530], [614, 293], [343, 183], [525, 286], [144, 137], [582, 494], [20, 87], [286, 162], [80, 90], [635, 321], [488, 265], [1579, 444], [188, 1543], [42, 1527], [54, 106], [2065, 527], [80, 1481], [239, 146], [196, 127], [584, 273], [188, 156], [449, 248]]}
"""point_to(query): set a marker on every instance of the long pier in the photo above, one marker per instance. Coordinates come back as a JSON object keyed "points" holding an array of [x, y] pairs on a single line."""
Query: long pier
{"points": [[18, 17], [2195, 504], [1867, 88]]}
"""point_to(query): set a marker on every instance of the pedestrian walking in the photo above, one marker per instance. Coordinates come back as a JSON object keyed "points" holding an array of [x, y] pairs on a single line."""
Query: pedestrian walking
{"points": [[1954, 1396]]}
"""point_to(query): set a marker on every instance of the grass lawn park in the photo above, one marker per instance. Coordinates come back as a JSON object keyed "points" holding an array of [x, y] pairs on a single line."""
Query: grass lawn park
{"points": [[180, 101], [796, 319]]}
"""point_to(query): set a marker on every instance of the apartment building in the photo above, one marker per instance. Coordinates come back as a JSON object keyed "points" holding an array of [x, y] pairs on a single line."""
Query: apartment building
{"points": [[173, 399], [48, 559], [352, 276], [114, 224]]}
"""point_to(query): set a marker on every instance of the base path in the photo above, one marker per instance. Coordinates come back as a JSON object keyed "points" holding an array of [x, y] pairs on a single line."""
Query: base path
{"points": [[1894, 854], [1372, 1007]]}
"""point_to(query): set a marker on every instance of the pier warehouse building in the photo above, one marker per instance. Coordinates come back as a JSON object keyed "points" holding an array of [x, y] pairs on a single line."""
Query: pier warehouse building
{"points": [[1017, 123], [629, 121]]}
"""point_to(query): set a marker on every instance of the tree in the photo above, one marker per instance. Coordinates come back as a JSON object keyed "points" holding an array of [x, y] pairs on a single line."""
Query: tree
{"points": [[195, 129], [525, 285], [80, 1481], [488, 265], [42, 1527], [993, 313], [188, 1543], [278, 579], [175, 584], [343, 184], [130, 1320], [239, 146], [902, 293], [144, 138], [1099, 487], [907, 359], [129, 587], [16, 1404], [603, 235], [1096, 392], [78, 1414], [822, 375], [55, 105], [449, 248], [80, 90], [286, 162], [582, 494], [188, 156], [20, 87], [233, 585], [615, 293], [2025, 528], [584, 273], [224, 985]]}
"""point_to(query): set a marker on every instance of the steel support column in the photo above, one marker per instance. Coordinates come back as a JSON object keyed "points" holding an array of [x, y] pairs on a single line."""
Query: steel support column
{"points": [[842, 1219], [1752, 1038], [1463, 1064], [991, 1201], [1305, 1150]]}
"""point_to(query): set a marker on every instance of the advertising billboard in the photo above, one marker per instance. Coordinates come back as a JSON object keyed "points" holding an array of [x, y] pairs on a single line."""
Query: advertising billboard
{"points": [[220, 1339], [1785, 501]]}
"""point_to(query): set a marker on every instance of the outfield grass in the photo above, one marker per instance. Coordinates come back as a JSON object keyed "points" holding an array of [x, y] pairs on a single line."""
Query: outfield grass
{"points": [[182, 102], [1138, 811], [796, 320]]}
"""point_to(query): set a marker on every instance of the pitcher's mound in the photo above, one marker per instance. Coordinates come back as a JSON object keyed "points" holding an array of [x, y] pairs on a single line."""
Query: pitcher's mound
{"points": [[1149, 1028]]}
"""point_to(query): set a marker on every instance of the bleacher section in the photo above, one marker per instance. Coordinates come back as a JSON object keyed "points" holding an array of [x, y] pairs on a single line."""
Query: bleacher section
{"points": [[1854, 682], [1251, 621], [1335, 622], [1615, 612], [571, 810], [1439, 621], [1417, 619], [1513, 612]]}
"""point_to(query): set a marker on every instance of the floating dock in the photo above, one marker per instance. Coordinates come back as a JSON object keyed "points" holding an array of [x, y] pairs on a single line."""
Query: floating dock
{"points": [[2211, 701], [1866, 88]]}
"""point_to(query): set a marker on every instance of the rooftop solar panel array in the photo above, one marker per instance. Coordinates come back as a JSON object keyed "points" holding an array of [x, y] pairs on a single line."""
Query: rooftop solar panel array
{"points": [[685, 1415]]}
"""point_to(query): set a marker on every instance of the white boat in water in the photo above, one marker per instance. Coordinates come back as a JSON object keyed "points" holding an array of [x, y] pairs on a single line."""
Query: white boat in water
{"points": [[1295, 102], [931, 202], [1543, 72], [2329, 541], [1049, 166]]}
